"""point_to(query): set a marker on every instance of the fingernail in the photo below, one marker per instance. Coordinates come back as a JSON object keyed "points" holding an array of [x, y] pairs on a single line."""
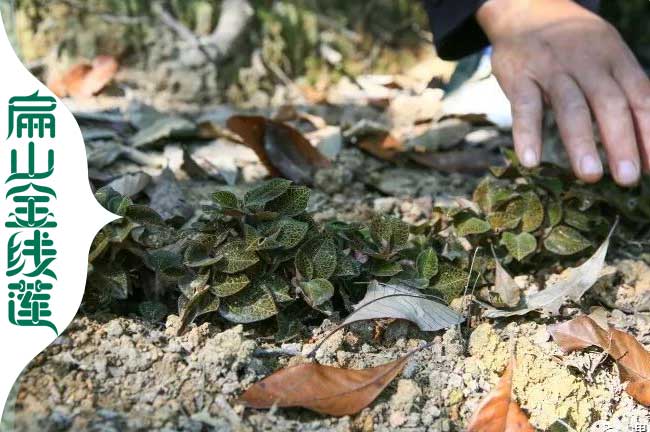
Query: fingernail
{"points": [[529, 158], [591, 166], [628, 172]]}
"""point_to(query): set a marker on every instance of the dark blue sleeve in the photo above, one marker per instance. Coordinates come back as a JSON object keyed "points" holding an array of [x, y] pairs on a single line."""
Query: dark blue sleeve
{"points": [[456, 32]]}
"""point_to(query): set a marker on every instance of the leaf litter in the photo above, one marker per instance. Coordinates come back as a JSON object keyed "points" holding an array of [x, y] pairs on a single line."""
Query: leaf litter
{"points": [[324, 389], [632, 359], [522, 235], [569, 285], [498, 412], [402, 302]]}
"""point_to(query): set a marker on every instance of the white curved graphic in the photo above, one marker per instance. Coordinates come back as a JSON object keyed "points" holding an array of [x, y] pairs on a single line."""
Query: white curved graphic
{"points": [[48, 217]]}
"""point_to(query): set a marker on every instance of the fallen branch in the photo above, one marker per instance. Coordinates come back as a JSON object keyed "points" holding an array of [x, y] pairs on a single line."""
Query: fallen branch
{"points": [[171, 22]]}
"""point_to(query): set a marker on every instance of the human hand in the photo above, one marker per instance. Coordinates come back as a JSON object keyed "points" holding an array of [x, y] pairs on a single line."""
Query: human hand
{"points": [[559, 52]]}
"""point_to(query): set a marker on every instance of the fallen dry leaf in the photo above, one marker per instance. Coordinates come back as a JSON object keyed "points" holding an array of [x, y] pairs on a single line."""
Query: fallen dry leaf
{"points": [[101, 73], [571, 284], [473, 161], [282, 149], [498, 412], [394, 301], [287, 113], [383, 146], [406, 110], [505, 286], [84, 79], [130, 184], [631, 357], [324, 389], [60, 84], [401, 302]]}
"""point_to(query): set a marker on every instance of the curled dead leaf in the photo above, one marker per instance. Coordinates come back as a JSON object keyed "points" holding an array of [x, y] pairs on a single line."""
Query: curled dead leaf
{"points": [[505, 286], [498, 412], [282, 149], [396, 301], [324, 389], [631, 357], [85, 79], [571, 284], [382, 145]]}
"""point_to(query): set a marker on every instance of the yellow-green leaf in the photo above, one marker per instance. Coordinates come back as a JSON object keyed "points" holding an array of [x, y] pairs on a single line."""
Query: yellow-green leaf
{"points": [[564, 240], [226, 285], [237, 257], [519, 245]]}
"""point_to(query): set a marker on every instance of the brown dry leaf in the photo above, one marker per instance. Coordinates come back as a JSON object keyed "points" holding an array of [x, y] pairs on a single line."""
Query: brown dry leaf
{"points": [[286, 113], [324, 389], [498, 412], [60, 84], [102, 72], [282, 149], [579, 333], [473, 161], [383, 146], [631, 357], [83, 79]]}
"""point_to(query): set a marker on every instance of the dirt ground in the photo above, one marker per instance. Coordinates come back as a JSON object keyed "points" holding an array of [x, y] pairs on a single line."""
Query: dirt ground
{"points": [[117, 372], [120, 373], [113, 373]]}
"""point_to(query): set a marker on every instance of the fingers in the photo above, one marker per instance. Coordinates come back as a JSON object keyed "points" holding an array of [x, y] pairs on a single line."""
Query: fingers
{"points": [[527, 116], [611, 108], [636, 86], [574, 122]]}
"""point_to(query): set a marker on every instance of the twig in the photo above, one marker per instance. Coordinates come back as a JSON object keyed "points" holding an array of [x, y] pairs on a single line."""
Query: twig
{"points": [[171, 22], [180, 29]]}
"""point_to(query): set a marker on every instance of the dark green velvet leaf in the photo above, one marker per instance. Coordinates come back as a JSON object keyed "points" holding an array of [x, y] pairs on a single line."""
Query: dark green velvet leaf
{"points": [[317, 291], [226, 285], [265, 192], [291, 203], [427, 263], [564, 240], [249, 305], [237, 257]]}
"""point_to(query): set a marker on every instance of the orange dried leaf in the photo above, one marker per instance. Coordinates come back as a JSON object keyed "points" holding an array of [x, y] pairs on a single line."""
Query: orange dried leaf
{"points": [[102, 72], [498, 412], [579, 333], [83, 79], [631, 357], [282, 149], [64, 84], [383, 146], [324, 389]]}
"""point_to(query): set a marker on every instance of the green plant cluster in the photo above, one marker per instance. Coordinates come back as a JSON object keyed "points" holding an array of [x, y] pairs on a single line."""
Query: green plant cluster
{"points": [[252, 257], [259, 255], [530, 216]]}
